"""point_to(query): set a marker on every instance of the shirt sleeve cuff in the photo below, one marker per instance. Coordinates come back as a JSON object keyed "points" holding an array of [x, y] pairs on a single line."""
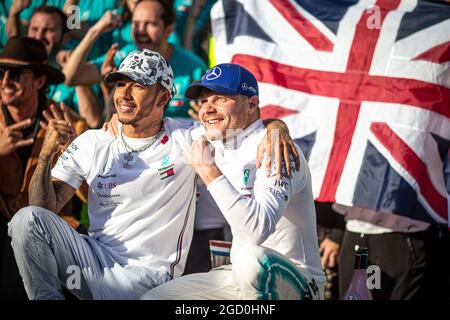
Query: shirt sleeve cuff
{"points": [[71, 180]]}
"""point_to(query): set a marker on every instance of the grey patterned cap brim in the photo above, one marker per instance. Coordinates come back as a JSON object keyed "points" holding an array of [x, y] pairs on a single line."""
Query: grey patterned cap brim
{"points": [[145, 67], [120, 75]]}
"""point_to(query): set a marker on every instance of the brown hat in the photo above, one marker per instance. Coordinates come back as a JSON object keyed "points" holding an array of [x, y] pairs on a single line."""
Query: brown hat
{"points": [[24, 52]]}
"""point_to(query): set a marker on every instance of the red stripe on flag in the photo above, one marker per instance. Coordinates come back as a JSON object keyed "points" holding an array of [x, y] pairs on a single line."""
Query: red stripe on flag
{"points": [[438, 54], [349, 86], [409, 160], [274, 111], [302, 25], [365, 39], [342, 141]]}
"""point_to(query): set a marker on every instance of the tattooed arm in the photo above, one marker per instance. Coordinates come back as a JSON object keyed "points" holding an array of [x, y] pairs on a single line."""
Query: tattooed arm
{"points": [[44, 192]]}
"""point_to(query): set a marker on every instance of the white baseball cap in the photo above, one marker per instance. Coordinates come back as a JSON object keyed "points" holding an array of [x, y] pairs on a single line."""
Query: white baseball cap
{"points": [[146, 67]]}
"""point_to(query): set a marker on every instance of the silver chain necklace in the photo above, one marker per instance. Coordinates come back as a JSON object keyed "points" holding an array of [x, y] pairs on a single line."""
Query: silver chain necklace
{"points": [[129, 157]]}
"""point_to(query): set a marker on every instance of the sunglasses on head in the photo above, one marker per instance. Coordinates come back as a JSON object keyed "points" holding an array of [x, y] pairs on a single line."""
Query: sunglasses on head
{"points": [[14, 73]]}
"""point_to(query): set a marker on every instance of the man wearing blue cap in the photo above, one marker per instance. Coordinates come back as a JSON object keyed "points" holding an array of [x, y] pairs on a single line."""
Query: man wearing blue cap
{"points": [[274, 253]]}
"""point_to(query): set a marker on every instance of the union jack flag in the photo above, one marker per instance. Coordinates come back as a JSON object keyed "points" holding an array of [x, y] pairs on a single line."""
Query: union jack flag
{"points": [[364, 88]]}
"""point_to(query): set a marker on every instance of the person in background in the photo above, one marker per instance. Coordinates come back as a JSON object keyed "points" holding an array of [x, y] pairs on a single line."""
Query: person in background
{"points": [[20, 12], [152, 23], [121, 38], [24, 112], [330, 230], [89, 12], [5, 5], [412, 255], [48, 25], [196, 32]]}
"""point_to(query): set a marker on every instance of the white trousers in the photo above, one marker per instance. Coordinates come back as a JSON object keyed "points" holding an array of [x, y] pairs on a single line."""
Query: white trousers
{"points": [[256, 273], [50, 253]]}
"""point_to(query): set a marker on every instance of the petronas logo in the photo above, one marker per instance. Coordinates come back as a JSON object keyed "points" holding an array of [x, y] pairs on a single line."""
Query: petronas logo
{"points": [[246, 176]]}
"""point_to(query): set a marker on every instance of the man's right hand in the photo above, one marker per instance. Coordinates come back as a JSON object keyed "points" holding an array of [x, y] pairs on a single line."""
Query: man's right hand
{"points": [[18, 6], [330, 252], [59, 133], [108, 22], [11, 137]]}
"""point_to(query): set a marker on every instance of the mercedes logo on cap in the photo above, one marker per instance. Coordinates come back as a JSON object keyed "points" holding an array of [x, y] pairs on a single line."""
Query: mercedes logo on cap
{"points": [[214, 73]]}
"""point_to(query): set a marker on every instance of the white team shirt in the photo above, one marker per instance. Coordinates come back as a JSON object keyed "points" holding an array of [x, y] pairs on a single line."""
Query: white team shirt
{"points": [[266, 211], [142, 215]]}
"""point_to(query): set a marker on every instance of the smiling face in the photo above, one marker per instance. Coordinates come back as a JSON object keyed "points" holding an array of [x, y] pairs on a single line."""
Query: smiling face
{"points": [[148, 28], [19, 87], [137, 104], [220, 112]]}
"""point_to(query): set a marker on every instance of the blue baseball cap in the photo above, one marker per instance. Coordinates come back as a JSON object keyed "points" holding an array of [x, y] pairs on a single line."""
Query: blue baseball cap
{"points": [[225, 78]]}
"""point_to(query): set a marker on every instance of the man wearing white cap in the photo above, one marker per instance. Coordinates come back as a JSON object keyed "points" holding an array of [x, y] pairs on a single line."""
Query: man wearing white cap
{"points": [[141, 197]]}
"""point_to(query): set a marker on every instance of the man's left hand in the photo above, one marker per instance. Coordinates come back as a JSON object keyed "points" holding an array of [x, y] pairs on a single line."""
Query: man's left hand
{"points": [[112, 126], [279, 143]]}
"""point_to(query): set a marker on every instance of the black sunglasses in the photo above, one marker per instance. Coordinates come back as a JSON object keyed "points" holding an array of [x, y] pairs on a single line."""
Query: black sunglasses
{"points": [[14, 74]]}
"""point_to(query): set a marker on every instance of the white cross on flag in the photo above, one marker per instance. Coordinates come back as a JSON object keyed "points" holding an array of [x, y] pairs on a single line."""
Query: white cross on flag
{"points": [[364, 88]]}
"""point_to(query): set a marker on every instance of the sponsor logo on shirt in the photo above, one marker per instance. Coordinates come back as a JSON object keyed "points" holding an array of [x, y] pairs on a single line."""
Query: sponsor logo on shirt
{"points": [[166, 172], [73, 146], [107, 176], [110, 204], [108, 196], [67, 151], [165, 139], [281, 183], [279, 194], [107, 186], [246, 176]]}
